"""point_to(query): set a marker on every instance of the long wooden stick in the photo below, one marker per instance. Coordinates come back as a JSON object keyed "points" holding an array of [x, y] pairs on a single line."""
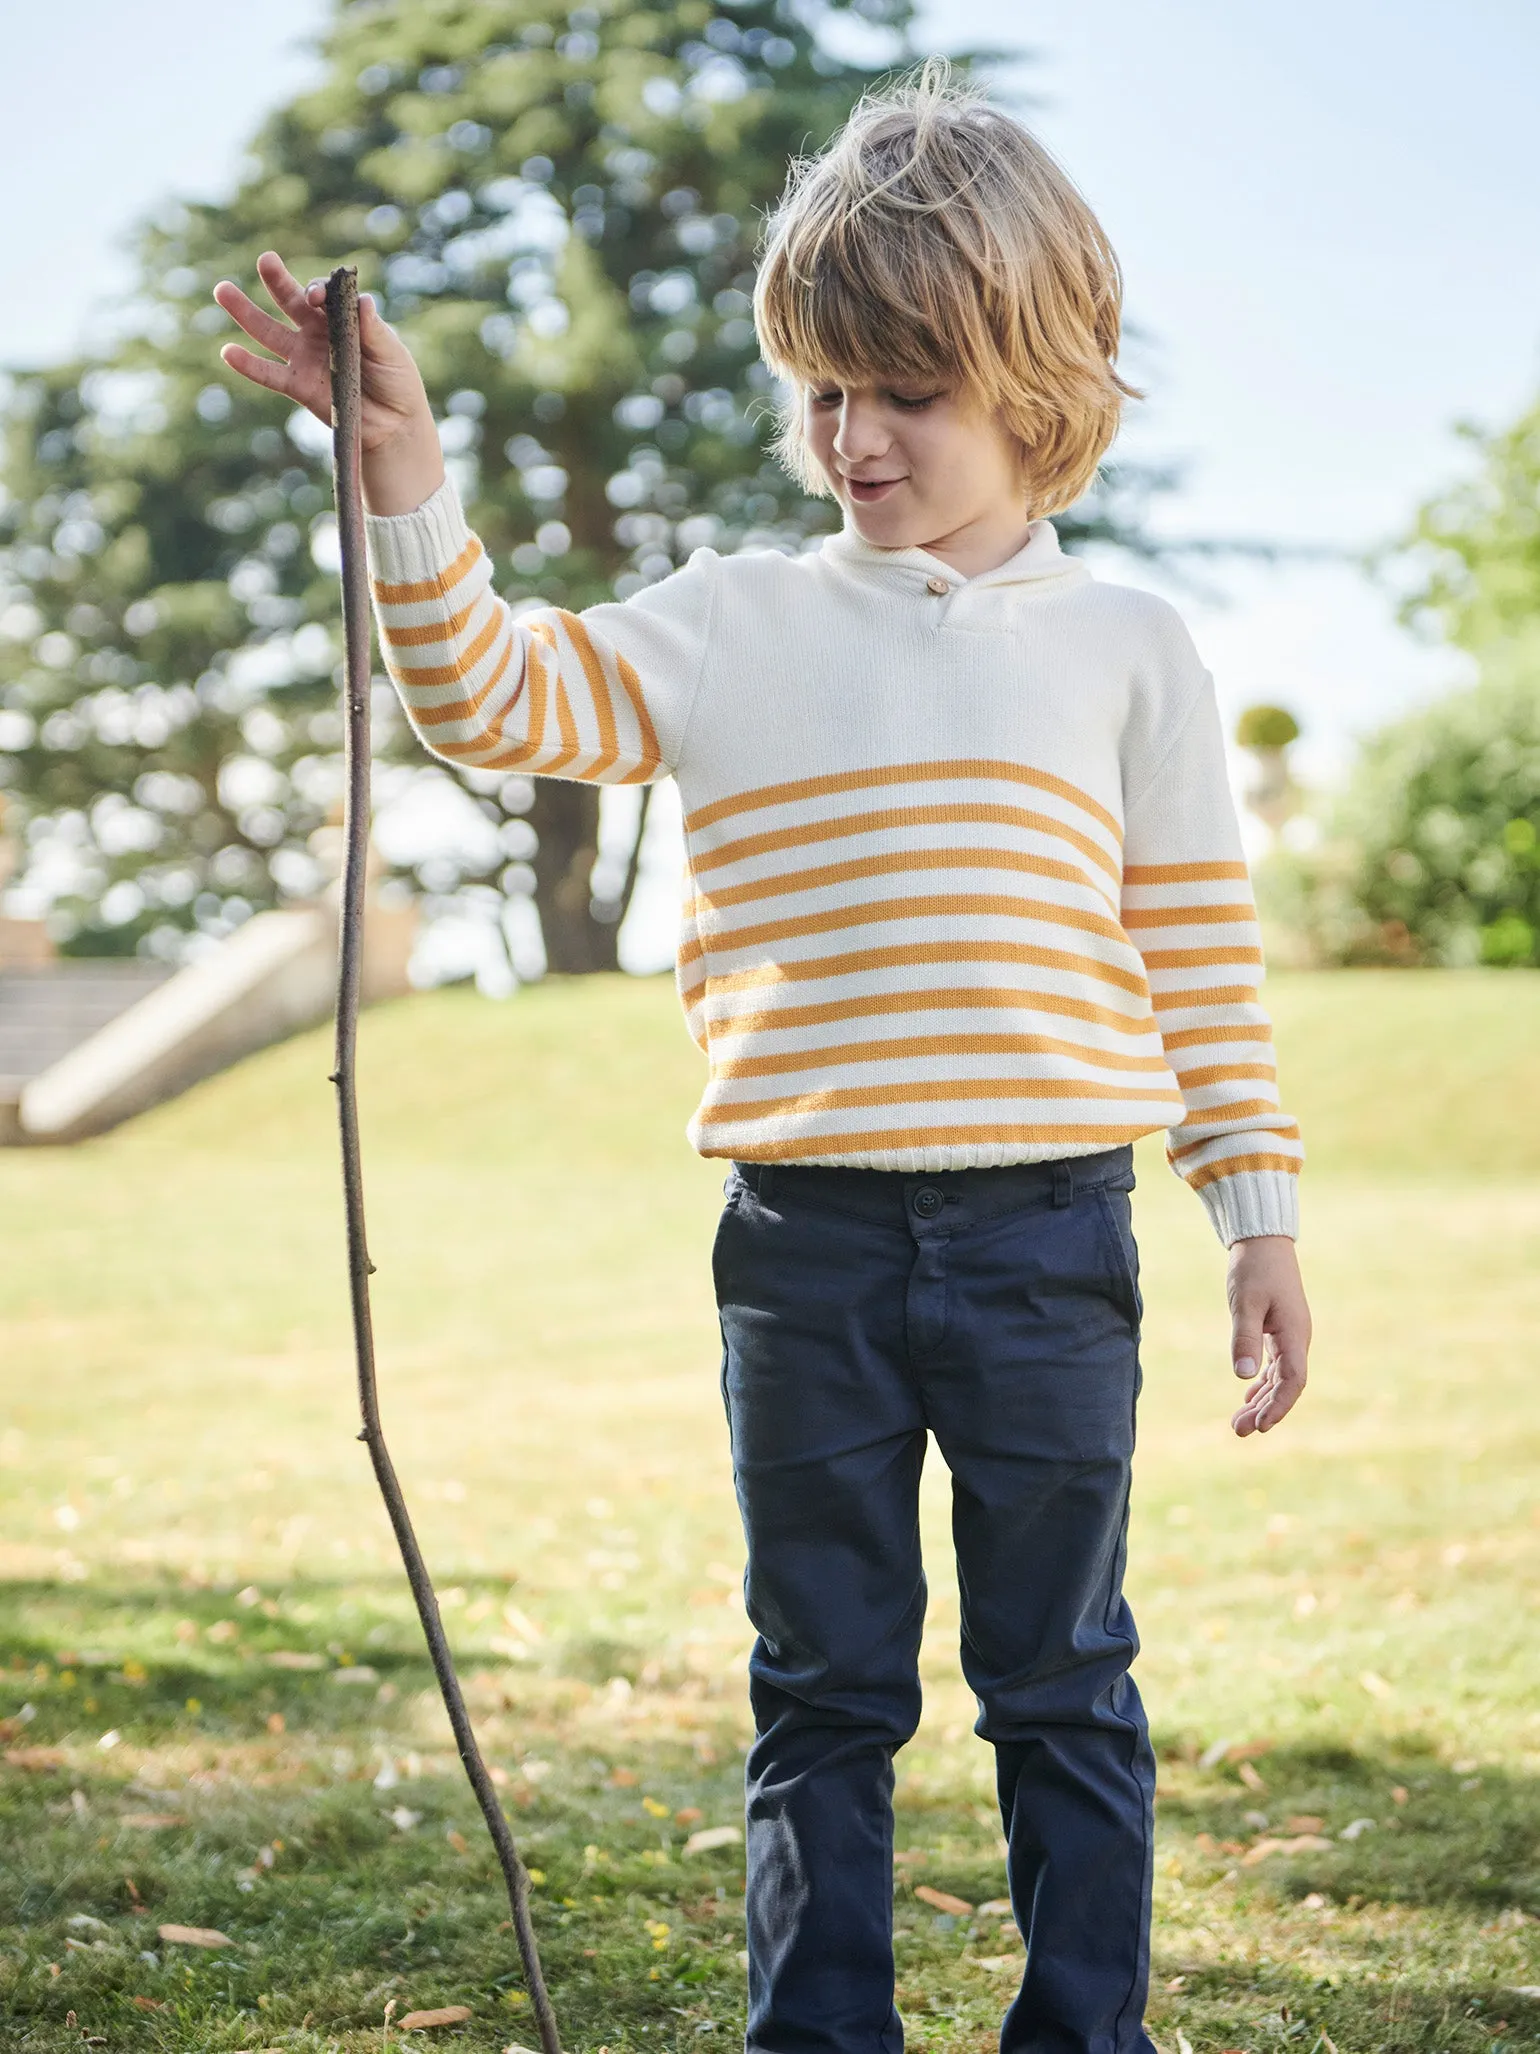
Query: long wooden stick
{"points": [[342, 327]]}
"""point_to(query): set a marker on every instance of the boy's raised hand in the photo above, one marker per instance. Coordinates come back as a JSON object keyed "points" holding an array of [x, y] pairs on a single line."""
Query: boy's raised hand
{"points": [[1270, 1329], [402, 463]]}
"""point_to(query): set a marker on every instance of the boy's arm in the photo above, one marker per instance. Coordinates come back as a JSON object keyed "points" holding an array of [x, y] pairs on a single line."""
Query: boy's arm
{"points": [[605, 696], [602, 696], [1187, 907]]}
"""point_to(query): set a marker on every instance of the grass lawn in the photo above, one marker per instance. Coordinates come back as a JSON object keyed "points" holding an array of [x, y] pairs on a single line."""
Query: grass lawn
{"points": [[214, 1705]]}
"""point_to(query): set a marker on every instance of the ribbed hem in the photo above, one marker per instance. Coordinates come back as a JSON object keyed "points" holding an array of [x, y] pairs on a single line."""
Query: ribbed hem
{"points": [[1253, 1202], [404, 548]]}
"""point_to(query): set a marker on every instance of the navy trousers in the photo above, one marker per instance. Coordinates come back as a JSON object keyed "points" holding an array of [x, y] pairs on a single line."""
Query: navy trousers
{"points": [[999, 1311]]}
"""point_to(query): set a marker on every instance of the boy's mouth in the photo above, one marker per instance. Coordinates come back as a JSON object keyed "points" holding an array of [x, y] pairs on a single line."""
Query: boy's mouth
{"points": [[866, 491]]}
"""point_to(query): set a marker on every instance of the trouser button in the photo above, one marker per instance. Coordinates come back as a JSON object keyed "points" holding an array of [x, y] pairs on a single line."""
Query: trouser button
{"points": [[928, 1201]]}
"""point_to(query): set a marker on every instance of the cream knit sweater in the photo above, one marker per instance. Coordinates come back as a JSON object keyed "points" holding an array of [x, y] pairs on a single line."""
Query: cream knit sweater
{"points": [[964, 885]]}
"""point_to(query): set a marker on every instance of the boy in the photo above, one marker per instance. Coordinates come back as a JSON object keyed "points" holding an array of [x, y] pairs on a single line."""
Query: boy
{"points": [[965, 915]]}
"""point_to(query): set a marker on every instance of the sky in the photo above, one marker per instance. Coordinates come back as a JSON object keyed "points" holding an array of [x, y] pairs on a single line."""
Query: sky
{"points": [[1325, 213]]}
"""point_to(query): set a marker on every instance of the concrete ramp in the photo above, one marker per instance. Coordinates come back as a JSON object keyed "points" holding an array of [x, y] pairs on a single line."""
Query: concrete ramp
{"points": [[272, 977]]}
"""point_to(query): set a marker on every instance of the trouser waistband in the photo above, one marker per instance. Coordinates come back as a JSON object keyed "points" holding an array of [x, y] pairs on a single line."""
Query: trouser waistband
{"points": [[947, 1199]]}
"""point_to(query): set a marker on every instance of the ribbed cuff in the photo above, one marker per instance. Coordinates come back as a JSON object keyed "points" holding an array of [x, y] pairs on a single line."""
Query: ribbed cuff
{"points": [[404, 548], [1253, 1202]]}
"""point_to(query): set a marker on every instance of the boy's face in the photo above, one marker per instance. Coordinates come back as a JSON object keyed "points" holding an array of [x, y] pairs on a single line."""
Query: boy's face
{"points": [[914, 466]]}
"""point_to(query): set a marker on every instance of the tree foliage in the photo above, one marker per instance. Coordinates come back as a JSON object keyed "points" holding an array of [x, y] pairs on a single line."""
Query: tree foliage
{"points": [[1475, 549], [1432, 855], [558, 208]]}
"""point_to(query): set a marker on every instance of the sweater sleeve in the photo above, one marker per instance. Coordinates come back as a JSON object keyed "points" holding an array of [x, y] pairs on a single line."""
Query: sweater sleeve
{"points": [[603, 695], [1188, 908]]}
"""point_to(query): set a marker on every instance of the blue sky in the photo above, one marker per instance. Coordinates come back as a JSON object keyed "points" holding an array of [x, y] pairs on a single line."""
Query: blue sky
{"points": [[1324, 212]]}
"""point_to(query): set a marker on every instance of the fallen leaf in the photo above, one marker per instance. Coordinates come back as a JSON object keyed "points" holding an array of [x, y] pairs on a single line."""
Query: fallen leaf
{"points": [[36, 1758], [1529, 1990], [622, 1779], [195, 1936], [275, 1722], [1260, 1852], [941, 1900], [710, 1837], [151, 1822], [357, 1672], [403, 1819], [993, 1963], [1356, 1828], [1376, 1684], [1183, 2044], [690, 1815], [911, 1858], [1304, 1822], [1399, 1794], [651, 1806], [458, 1841], [995, 1907], [292, 1658], [1249, 1775], [148, 2003], [448, 2014]]}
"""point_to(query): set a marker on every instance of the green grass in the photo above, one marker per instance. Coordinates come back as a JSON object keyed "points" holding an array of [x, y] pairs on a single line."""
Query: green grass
{"points": [[1337, 1619]]}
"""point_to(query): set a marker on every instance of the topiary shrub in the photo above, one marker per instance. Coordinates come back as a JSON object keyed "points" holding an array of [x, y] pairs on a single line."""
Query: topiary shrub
{"points": [[1266, 727]]}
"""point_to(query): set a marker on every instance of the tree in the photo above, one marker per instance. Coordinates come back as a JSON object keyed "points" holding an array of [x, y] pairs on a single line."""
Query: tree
{"points": [[558, 208], [1432, 850], [1475, 549]]}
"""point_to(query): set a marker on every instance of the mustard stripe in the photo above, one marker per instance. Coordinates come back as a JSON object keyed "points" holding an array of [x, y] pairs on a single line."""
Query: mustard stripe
{"points": [[1231, 1109], [429, 588], [1233, 1165], [949, 905], [835, 1054], [899, 774], [934, 1091], [463, 709], [417, 677], [1185, 916], [887, 818], [1192, 998], [1276, 1129], [1202, 1037], [870, 1005], [896, 863], [883, 1139], [1225, 1073], [631, 685], [598, 691], [1197, 959], [437, 631], [901, 954], [1182, 873]]}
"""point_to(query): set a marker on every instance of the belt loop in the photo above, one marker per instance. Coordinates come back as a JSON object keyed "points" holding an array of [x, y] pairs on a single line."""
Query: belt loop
{"points": [[764, 1182], [1063, 1184]]}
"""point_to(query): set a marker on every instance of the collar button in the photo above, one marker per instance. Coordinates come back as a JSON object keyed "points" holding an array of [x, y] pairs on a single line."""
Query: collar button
{"points": [[936, 586]]}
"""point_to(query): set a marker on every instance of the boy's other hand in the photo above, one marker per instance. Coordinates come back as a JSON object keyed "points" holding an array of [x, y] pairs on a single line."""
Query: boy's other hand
{"points": [[402, 462], [1270, 1329]]}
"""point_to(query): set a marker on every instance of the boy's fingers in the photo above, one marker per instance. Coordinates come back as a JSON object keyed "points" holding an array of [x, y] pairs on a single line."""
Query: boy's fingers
{"points": [[260, 370], [1246, 1340], [285, 289], [262, 328]]}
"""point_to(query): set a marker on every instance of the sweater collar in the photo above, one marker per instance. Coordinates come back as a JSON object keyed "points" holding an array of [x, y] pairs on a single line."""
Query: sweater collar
{"points": [[1039, 559]]}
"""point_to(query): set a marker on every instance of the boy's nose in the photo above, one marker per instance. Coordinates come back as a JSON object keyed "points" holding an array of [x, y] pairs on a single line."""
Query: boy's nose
{"points": [[860, 434]]}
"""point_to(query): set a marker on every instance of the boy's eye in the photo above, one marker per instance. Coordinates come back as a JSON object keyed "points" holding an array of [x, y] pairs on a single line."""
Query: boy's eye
{"points": [[827, 399], [913, 402]]}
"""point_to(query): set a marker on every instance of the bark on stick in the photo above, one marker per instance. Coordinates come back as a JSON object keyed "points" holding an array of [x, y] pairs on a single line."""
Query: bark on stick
{"points": [[346, 377]]}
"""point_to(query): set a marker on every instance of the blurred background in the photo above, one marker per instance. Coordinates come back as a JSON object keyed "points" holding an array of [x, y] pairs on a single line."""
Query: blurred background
{"points": [[214, 1712]]}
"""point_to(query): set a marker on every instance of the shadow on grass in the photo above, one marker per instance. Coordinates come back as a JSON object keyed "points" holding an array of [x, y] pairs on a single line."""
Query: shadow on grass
{"points": [[1436, 1834]]}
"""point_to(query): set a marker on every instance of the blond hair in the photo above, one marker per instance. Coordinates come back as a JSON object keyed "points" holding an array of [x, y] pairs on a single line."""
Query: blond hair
{"points": [[935, 238]]}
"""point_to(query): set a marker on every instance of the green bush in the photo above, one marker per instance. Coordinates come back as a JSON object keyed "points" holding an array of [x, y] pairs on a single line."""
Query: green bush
{"points": [[1432, 852]]}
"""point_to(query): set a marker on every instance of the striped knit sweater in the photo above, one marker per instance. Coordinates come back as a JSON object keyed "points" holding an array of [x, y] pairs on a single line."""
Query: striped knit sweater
{"points": [[964, 885]]}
